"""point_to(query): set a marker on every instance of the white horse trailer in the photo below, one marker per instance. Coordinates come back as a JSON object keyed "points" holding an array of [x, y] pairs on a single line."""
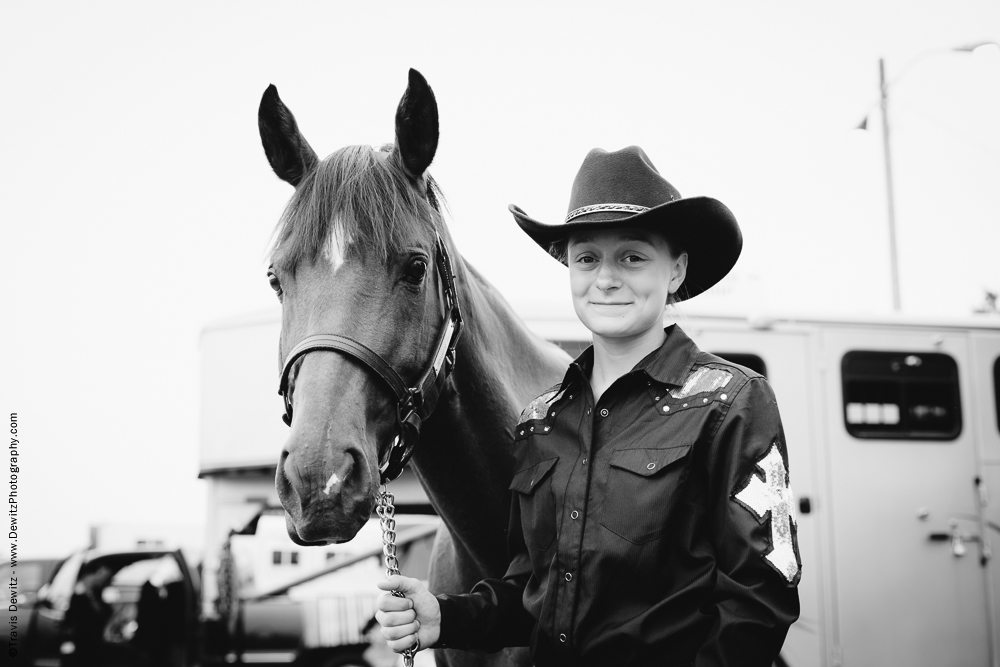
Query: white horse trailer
{"points": [[893, 430]]}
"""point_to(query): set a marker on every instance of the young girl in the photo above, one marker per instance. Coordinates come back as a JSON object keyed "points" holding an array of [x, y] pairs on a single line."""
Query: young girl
{"points": [[651, 515]]}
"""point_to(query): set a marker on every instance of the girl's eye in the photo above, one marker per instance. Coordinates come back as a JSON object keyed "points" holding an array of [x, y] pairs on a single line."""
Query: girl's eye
{"points": [[585, 259], [416, 271], [633, 259]]}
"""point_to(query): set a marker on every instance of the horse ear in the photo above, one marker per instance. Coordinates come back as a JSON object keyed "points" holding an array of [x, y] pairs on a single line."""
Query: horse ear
{"points": [[417, 126], [287, 150]]}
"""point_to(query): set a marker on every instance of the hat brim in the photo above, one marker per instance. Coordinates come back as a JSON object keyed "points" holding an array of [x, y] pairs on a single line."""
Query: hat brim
{"points": [[702, 227]]}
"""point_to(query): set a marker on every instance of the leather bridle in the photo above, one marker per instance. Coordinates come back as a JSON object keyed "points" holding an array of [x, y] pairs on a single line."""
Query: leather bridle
{"points": [[414, 403]]}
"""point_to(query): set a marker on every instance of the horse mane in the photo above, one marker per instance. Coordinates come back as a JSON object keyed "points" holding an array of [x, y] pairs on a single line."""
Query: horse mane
{"points": [[354, 195]]}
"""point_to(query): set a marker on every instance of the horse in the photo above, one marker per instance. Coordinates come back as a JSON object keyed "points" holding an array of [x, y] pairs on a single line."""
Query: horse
{"points": [[362, 250]]}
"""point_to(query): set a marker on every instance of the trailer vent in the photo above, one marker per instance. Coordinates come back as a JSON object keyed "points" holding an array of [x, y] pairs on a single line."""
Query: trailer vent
{"points": [[901, 395]]}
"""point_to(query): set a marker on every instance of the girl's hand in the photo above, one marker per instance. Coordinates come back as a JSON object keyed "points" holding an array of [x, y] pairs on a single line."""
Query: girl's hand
{"points": [[403, 620]]}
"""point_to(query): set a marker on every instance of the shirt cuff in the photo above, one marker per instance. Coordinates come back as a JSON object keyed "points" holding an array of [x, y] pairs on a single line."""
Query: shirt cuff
{"points": [[455, 617]]}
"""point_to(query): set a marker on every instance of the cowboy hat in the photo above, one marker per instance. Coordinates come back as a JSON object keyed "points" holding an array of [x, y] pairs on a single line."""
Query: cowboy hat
{"points": [[624, 189]]}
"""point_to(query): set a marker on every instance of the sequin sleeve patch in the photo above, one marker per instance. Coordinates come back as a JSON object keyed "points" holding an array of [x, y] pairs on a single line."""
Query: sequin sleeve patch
{"points": [[539, 407], [702, 380], [773, 495]]}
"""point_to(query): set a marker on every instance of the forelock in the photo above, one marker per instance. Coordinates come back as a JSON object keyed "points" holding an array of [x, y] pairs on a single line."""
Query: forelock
{"points": [[354, 194]]}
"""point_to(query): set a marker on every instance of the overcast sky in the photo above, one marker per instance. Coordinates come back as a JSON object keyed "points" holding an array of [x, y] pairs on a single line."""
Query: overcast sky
{"points": [[137, 203]]}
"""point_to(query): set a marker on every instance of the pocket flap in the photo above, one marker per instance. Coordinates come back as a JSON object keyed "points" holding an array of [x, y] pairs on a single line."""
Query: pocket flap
{"points": [[647, 462], [527, 480]]}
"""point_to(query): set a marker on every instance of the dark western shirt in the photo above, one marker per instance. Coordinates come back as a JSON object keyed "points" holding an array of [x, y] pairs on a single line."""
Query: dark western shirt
{"points": [[654, 527]]}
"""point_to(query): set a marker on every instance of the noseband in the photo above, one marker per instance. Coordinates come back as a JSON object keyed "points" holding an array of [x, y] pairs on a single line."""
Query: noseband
{"points": [[414, 404]]}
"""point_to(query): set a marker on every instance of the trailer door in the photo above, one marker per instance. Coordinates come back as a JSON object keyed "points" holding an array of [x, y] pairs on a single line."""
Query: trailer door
{"points": [[985, 365], [783, 358], [901, 464]]}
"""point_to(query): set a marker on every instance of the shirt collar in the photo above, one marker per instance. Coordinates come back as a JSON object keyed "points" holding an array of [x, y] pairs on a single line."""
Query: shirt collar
{"points": [[671, 363]]}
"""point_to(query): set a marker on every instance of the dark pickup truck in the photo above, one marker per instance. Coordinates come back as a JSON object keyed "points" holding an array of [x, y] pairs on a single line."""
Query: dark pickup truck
{"points": [[142, 608], [110, 594]]}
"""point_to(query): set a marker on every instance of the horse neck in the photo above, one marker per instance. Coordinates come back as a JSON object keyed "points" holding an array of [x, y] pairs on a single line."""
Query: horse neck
{"points": [[465, 459], [502, 353]]}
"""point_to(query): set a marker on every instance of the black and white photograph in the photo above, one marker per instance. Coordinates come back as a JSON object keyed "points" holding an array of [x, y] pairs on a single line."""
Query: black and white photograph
{"points": [[524, 334]]}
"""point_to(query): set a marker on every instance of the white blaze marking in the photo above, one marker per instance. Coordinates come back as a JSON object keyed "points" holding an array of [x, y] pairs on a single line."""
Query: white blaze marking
{"points": [[330, 482], [775, 496], [336, 249]]}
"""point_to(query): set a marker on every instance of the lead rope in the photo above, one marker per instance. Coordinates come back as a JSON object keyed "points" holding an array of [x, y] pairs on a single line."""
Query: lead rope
{"points": [[386, 513]]}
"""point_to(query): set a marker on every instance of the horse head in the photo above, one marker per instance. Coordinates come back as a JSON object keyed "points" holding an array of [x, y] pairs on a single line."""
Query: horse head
{"points": [[356, 256]]}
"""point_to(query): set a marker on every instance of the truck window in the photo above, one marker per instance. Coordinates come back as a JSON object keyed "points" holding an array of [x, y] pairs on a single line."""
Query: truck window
{"points": [[61, 588], [901, 395], [751, 361]]}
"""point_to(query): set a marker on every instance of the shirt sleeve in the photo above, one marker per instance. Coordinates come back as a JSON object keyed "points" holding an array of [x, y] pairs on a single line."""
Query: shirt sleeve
{"points": [[753, 535], [492, 615]]}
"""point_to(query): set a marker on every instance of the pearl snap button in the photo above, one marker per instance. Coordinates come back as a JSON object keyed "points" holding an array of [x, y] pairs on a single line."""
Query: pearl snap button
{"points": [[562, 638], [650, 466], [666, 408], [574, 514], [604, 412], [569, 576]]}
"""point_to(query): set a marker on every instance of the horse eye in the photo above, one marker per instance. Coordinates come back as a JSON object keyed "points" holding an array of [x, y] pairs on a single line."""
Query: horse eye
{"points": [[275, 285], [416, 270]]}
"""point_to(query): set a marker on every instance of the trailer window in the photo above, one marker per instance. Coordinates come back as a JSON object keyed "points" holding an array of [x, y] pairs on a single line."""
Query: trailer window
{"points": [[751, 361], [901, 395], [996, 388]]}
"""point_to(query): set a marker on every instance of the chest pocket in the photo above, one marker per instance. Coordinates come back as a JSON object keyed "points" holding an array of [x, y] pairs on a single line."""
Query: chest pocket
{"points": [[643, 489], [538, 508]]}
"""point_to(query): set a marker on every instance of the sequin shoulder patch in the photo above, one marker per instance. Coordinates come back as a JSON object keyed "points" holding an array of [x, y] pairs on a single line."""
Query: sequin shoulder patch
{"points": [[770, 497], [702, 380], [539, 407]]}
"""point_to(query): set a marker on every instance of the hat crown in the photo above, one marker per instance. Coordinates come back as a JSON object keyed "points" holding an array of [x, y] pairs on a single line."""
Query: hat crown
{"points": [[626, 177]]}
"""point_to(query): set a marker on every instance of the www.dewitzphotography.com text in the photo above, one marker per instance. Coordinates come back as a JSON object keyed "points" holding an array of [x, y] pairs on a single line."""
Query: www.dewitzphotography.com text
{"points": [[12, 535]]}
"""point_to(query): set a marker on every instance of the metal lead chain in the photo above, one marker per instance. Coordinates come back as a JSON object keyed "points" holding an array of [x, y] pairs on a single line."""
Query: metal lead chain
{"points": [[387, 519]]}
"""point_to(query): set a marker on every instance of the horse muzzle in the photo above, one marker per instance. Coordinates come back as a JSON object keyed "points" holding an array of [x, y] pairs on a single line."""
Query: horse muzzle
{"points": [[325, 500]]}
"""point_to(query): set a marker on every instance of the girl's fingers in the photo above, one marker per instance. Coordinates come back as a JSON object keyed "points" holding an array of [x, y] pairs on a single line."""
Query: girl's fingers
{"points": [[395, 618], [398, 632], [396, 582], [388, 602]]}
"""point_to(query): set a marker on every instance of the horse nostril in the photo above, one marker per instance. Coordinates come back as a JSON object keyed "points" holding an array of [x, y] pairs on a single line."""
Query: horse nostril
{"points": [[281, 481]]}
